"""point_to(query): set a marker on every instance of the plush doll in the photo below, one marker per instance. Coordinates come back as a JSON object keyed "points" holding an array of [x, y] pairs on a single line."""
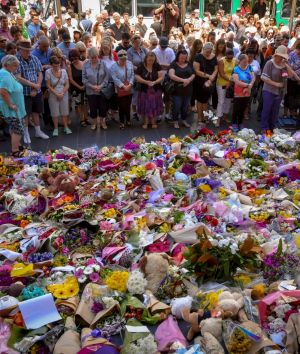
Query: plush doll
{"points": [[62, 182], [230, 304], [155, 266], [195, 319]]}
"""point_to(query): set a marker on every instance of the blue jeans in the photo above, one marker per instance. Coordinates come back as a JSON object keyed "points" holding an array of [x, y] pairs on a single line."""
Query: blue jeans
{"points": [[180, 106], [270, 112]]}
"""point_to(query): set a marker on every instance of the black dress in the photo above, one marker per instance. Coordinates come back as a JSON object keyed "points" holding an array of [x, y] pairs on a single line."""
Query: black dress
{"points": [[207, 66], [77, 77]]}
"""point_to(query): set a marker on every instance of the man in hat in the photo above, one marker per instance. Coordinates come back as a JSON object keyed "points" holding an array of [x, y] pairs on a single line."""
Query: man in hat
{"points": [[30, 75], [66, 45], [165, 56], [68, 25]]}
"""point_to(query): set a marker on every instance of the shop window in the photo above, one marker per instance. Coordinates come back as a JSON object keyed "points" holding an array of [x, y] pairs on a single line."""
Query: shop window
{"points": [[287, 8], [213, 6], [146, 7], [119, 6]]}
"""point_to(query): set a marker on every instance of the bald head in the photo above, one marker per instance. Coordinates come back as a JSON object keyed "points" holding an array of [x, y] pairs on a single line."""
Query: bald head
{"points": [[44, 43]]}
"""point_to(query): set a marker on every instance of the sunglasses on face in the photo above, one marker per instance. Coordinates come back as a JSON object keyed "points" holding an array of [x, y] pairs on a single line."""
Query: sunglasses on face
{"points": [[140, 18], [122, 56]]}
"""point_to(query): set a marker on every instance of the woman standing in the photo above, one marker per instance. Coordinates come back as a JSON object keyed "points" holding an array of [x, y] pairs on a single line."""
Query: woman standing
{"points": [[149, 102], [274, 76], [182, 72], [123, 77], [206, 69], [94, 78], [225, 69], [195, 50], [220, 49], [76, 85], [293, 88], [12, 102], [243, 78], [136, 54], [57, 83]]}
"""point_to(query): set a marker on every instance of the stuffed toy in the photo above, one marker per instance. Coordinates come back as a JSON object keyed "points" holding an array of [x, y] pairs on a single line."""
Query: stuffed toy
{"points": [[62, 182], [195, 319], [155, 266], [27, 179], [230, 304]]}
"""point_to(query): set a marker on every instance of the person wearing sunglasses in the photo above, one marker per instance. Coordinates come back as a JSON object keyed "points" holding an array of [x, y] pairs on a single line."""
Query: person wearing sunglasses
{"points": [[140, 26], [125, 42], [123, 77]]}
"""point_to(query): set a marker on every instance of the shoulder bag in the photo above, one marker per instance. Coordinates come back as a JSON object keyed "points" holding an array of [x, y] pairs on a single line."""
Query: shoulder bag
{"points": [[120, 90]]}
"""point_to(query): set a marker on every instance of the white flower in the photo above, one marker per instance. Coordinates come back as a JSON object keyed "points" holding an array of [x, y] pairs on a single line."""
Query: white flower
{"points": [[108, 301], [88, 270], [82, 279], [96, 267], [136, 283]]}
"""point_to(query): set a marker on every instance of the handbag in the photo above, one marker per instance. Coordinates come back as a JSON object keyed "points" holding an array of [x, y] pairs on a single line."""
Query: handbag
{"points": [[230, 90], [168, 85], [120, 90], [108, 90]]}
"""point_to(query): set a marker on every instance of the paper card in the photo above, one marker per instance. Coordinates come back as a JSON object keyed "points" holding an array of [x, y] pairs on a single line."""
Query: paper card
{"points": [[137, 329], [39, 311]]}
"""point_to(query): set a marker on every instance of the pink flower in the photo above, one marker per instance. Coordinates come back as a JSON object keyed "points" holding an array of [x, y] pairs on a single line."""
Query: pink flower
{"points": [[65, 250], [94, 277], [78, 273], [91, 261], [106, 226]]}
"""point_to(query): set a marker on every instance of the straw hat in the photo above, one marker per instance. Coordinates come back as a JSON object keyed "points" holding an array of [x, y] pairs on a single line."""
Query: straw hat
{"points": [[281, 51], [24, 45]]}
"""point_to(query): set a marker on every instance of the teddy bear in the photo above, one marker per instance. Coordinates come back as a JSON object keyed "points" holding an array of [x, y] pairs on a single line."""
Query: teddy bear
{"points": [[229, 305], [62, 182], [155, 266]]}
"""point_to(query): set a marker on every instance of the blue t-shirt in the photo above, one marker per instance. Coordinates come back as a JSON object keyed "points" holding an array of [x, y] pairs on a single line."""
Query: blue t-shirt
{"points": [[33, 30], [65, 50], [244, 76], [15, 90], [44, 58]]}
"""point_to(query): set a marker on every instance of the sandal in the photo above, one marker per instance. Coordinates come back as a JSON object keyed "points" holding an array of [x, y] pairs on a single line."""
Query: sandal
{"points": [[154, 126], [145, 126], [122, 126], [83, 123], [128, 124]]}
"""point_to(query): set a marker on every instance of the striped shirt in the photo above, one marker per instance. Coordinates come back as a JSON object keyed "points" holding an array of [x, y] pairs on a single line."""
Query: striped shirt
{"points": [[29, 70]]}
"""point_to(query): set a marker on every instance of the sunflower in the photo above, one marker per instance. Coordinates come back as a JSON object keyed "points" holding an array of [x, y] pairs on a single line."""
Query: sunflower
{"points": [[1, 160]]}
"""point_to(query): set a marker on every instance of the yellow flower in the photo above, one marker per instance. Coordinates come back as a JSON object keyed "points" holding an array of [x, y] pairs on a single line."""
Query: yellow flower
{"points": [[173, 139], [68, 289], [110, 213], [140, 223], [260, 290], [164, 228], [205, 188], [171, 171], [297, 242], [211, 299], [1, 160], [118, 280], [244, 279], [138, 171]]}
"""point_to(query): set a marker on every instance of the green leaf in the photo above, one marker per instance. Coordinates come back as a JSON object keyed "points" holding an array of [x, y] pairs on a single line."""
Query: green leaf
{"points": [[279, 248], [226, 268]]}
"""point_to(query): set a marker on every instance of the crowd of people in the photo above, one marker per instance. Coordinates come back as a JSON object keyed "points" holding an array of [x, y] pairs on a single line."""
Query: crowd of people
{"points": [[232, 64]]}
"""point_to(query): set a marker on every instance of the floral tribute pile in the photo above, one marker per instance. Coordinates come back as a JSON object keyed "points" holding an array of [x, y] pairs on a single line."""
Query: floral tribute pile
{"points": [[175, 246]]}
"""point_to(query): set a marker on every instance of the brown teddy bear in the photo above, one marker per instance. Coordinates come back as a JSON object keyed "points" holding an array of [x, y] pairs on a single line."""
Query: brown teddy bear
{"points": [[62, 182], [155, 266]]}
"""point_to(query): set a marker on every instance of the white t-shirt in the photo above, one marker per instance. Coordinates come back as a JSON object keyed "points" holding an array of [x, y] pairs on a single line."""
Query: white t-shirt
{"points": [[164, 56], [256, 67]]}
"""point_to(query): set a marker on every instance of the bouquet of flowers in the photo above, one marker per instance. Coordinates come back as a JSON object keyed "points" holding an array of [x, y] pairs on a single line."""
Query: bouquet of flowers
{"points": [[219, 256]]}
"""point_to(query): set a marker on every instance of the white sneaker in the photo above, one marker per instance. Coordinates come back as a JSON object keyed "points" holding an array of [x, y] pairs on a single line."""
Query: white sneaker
{"points": [[176, 125], [41, 135], [26, 138]]}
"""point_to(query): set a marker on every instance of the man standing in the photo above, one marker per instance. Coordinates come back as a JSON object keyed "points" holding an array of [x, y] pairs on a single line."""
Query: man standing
{"points": [[34, 27], [66, 45], [125, 42], [118, 28], [30, 75], [259, 8], [54, 31], [2, 47], [140, 26], [69, 26], [43, 53], [106, 19], [165, 56], [4, 30], [169, 15], [156, 25], [85, 23]]}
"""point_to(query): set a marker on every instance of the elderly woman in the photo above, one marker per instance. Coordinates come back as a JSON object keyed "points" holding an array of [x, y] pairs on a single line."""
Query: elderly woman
{"points": [[136, 54], [274, 76], [206, 69], [95, 78], [243, 78], [80, 46], [123, 77], [12, 107], [57, 83]]}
